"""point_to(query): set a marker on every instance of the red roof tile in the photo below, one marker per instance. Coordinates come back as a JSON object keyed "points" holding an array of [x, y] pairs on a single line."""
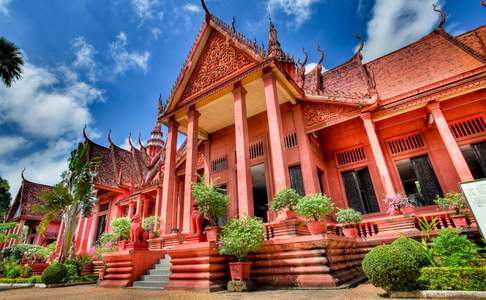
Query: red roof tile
{"points": [[476, 39], [27, 197]]}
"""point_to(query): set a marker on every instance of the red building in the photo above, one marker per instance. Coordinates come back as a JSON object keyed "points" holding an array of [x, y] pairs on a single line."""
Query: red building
{"points": [[412, 122]]}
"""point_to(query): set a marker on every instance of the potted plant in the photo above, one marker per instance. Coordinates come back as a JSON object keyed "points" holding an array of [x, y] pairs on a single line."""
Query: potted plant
{"points": [[314, 207], [212, 203], [399, 204], [349, 217], [121, 230], [240, 237], [456, 202], [285, 201], [148, 224]]}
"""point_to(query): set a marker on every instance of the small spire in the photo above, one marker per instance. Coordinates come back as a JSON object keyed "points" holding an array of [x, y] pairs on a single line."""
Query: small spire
{"points": [[273, 43], [233, 24], [438, 9], [109, 138]]}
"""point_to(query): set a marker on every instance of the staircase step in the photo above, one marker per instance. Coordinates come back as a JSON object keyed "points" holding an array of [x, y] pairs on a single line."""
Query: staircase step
{"points": [[119, 264], [158, 272], [164, 277], [159, 284], [118, 276], [119, 270], [162, 267]]}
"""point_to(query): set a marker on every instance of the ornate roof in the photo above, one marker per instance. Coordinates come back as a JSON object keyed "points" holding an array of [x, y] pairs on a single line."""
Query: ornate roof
{"points": [[28, 196]]}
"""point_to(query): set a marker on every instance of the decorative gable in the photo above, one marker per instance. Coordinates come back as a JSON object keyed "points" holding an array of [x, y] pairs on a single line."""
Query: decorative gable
{"points": [[218, 60], [320, 115]]}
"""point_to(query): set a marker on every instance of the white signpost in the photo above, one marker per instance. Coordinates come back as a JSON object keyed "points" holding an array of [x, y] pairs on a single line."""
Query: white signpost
{"points": [[475, 193]]}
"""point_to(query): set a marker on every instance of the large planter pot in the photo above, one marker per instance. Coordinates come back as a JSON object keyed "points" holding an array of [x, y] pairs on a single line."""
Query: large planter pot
{"points": [[240, 270], [212, 233], [122, 245], [350, 232], [459, 221], [409, 210], [286, 215], [317, 227]]}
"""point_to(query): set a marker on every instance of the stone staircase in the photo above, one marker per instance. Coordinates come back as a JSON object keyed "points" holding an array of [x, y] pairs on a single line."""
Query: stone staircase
{"points": [[156, 278]]}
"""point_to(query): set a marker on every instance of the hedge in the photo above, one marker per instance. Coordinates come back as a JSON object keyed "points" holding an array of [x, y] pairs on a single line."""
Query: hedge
{"points": [[33, 279], [453, 278]]}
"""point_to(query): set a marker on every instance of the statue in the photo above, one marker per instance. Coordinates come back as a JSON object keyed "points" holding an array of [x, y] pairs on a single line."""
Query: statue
{"points": [[197, 221], [136, 231]]}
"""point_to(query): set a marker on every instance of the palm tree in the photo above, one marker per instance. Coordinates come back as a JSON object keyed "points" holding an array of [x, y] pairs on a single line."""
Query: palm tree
{"points": [[10, 62], [73, 197]]}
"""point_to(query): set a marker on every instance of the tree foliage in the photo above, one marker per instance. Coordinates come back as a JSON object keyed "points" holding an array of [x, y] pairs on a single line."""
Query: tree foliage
{"points": [[315, 206], [451, 249], [11, 62], [211, 201], [72, 197], [5, 197], [242, 236], [286, 198]]}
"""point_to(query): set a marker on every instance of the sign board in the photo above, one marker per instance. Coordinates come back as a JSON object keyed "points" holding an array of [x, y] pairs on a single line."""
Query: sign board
{"points": [[475, 193]]}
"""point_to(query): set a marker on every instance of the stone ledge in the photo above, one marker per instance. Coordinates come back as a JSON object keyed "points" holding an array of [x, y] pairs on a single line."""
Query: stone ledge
{"points": [[438, 295], [11, 286]]}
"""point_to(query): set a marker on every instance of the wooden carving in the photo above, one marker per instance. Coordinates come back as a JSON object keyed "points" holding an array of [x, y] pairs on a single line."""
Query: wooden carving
{"points": [[324, 113], [218, 60]]}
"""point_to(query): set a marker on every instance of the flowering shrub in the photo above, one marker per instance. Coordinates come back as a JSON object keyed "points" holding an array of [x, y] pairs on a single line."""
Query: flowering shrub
{"points": [[450, 201], [396, 202]]}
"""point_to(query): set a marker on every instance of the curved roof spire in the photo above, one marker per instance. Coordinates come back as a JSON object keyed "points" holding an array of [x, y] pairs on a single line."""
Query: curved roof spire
{"points": [[321, 57], [85, 135], [358, 53], [438, 9], [22, 174], [109, 138], [140, 141], [130, 141], [206, 10]]}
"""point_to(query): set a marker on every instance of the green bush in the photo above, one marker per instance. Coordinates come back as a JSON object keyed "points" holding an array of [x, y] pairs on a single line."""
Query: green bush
{"points": [[453, 278], [314, 206], [348, 216], [121, 227], [242, 236], [149, 223], [33, 279], [25, 271], [286, 198], [71, 269], [450, 201], [396, 267], [451, 249], [211, 201], [54, 273], [85, 278], [13, 272]]}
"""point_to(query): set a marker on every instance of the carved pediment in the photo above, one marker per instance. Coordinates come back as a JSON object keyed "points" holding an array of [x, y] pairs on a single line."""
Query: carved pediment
{"points": [[219, 59], [320, 115]]}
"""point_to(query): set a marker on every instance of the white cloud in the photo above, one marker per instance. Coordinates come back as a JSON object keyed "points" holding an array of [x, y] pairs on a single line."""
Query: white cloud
{"points": [[298, 10], [9, 144], [4, 7], [192, 8], [125, 60], [47, 103], [146, 9], [156, 32], [395, 24], [84, 60]]}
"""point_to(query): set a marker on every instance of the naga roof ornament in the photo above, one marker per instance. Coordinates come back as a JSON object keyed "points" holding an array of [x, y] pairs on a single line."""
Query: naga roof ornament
{"points": [[359, 54], [109, 138], [22, 174], [85, 135], [207, 14], [483, 2], [438, 9], [130, 141], [302, 67]]}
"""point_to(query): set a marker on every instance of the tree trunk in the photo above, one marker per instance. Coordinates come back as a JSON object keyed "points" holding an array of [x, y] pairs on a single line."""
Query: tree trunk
{"points": [[71, 222]]}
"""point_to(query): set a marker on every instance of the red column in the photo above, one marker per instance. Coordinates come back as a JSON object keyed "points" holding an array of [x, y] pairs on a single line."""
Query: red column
{"points": [[158, 204], [309, 171], [450, 143], [207, 162], [191, 165], [385, 177], [244, 184], [168, 186], [275, 130]]}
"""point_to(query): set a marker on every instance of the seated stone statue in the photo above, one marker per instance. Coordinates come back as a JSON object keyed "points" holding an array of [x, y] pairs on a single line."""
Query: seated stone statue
{"points": [[197, 221], [136, 231]]}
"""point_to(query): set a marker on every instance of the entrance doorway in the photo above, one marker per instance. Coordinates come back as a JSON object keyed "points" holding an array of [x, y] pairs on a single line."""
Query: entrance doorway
{"points": [[475, 156], [360, 191], [260, 197]]}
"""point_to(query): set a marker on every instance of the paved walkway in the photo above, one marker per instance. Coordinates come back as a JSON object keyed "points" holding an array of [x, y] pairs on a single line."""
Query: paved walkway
{"points": [[88, 292]]}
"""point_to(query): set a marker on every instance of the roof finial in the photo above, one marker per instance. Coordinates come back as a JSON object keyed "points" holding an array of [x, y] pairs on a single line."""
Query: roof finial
{"points": [[273, 43], [140, 141], [22, 174], [361, 46], [109, 138], [483, 2], [302, 67], [130, 141], [206, 11], [321, 57], [438, 9], [85, 135], [233, 24]]}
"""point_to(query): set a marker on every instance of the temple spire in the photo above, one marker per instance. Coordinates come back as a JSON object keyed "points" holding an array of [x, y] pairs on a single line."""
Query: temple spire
{"points": [[273, 43], [156, 142]]}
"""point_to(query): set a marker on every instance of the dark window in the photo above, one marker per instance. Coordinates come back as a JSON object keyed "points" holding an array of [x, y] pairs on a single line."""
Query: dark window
{"points": [[359, 191], [104, 206], [296, 181], [475, 156], [223, 219], [260, 197], [101, 226], [126, 210], [419, 180]]}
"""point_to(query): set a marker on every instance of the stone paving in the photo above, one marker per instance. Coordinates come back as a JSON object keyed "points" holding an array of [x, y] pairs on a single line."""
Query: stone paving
{"points": [[88, 292]]}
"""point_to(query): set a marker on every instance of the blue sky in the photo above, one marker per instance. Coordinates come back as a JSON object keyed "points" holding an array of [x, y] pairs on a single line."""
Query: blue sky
{"points": [[104, 63]]}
